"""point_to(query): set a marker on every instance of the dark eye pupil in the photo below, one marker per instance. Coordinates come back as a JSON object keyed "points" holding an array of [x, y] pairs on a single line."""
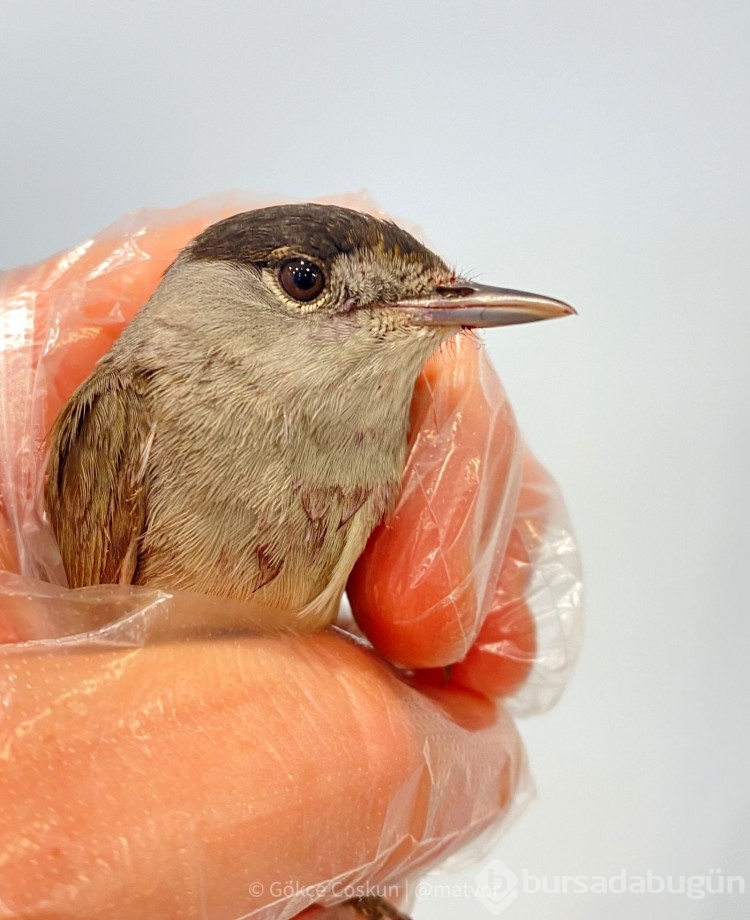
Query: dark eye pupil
{"points": [[301, 279], [305, 277]]}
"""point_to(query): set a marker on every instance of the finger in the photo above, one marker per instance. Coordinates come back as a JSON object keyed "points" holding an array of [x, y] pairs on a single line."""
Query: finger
{"points": [[500, 660], [530, 640], [424, 584], [214, 779]]}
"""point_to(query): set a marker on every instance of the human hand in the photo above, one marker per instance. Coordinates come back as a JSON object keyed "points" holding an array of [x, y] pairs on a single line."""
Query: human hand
{"points": [[255, 775]]}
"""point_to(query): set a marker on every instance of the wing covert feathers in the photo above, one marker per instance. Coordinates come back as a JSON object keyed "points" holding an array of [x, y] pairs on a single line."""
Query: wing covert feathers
{"points": [[97, 478]]}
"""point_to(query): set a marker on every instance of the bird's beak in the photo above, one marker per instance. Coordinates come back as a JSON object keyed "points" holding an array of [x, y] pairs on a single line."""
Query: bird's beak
{"points": [[465, 303]]}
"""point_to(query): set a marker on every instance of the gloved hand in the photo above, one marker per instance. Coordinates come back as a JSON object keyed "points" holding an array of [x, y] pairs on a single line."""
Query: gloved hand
{"points": [[222, 776]]}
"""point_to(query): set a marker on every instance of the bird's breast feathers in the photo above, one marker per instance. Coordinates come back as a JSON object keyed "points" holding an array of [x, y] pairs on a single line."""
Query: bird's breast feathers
{"points": [[267, 520]]}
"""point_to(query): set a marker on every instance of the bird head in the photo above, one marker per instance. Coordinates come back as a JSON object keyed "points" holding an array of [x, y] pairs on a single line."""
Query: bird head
{"points": [[319, 298], [328, 260]]}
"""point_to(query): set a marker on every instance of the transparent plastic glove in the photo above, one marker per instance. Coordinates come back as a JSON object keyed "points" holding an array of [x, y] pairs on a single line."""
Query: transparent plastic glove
{"points": [[232, 775]]}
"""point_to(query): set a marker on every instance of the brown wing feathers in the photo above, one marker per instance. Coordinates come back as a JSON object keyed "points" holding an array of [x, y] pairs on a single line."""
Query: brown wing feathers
{"points": [[96, 485]]}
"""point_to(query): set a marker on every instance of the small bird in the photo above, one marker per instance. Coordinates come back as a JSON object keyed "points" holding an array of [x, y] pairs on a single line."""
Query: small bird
{"points": [[248, 429]]}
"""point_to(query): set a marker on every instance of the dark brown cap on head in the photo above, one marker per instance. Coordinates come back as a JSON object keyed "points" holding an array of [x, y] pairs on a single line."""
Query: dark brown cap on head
{"points": [[316, 230]]}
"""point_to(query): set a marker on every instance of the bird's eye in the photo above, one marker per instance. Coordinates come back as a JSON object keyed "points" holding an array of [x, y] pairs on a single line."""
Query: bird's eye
{"points": [[301, 279]]}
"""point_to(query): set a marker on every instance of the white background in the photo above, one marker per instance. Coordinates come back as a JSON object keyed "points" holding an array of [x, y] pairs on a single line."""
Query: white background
{"points": [[595, 151]]}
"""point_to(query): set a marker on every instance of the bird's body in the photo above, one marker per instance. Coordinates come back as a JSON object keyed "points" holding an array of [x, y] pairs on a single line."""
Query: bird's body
{"points": [[247, 431]]}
